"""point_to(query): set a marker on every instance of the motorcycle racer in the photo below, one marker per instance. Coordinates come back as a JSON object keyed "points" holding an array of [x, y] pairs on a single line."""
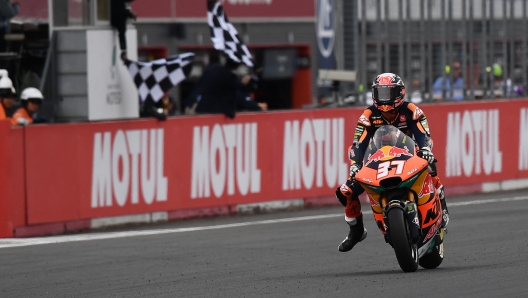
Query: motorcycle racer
{"points": [[389, 108]]}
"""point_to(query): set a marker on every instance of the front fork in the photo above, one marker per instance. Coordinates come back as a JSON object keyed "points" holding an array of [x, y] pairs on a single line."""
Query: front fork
{"points": [[410, 212]]}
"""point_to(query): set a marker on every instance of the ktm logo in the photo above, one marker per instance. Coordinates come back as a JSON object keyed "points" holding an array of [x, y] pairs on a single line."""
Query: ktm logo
{"points": [[433, 213], [378, 121]]}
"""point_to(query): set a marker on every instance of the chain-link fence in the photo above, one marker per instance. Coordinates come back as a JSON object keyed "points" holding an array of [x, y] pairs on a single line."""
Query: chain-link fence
{"points": [[443, 49]]}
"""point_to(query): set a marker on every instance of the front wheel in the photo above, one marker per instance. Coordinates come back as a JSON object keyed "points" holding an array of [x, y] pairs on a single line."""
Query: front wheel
{"points": [[406, 251]]}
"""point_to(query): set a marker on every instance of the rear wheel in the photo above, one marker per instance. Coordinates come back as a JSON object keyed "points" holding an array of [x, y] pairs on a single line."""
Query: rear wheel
{"points": [[436, 256], [406, 252]]}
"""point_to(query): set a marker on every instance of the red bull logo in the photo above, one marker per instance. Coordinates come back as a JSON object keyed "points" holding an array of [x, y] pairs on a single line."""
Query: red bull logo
{"points": [[427, 187], [376, 156], [388, 153], [397, 152]]}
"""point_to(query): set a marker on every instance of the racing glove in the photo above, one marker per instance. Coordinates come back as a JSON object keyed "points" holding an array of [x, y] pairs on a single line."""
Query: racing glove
{"points": [[426, 154], [354, 169]]}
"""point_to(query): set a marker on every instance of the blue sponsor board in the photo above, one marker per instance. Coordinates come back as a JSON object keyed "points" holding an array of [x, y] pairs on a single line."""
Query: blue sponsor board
{"points": [[325, 32]]}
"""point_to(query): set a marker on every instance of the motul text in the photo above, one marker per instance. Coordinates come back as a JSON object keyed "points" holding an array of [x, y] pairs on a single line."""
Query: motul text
{"points": [[228, 152], [473, 143], [311, 149], [132, 157]]}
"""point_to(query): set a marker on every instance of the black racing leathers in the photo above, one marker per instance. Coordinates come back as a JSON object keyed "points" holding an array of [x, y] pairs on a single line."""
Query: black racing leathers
{"points": [[410, 120]]}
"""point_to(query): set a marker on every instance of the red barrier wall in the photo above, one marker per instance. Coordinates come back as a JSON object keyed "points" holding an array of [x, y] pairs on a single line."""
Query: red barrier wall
{"points": [[90, 170], [484, 141], [12, 193]]}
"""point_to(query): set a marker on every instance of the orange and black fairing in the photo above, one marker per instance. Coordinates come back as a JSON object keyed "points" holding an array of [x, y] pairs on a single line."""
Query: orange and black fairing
{"points": [[390, 163], [407, 171]]}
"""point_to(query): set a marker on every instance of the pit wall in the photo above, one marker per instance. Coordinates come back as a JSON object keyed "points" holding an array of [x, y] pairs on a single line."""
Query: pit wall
{"points": [[66, 177]]}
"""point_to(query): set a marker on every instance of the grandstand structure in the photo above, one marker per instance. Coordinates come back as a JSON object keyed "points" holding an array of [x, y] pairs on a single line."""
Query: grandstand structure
{"points": [[417, 39]]}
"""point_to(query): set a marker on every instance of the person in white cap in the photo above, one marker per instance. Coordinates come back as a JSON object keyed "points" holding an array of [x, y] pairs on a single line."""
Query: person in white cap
{"points": [[31, 99], [7, 95]]}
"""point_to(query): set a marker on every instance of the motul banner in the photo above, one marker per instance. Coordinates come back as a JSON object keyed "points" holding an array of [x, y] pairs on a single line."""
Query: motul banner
{"points": [[188, 9], [192, 9], [117, 168], [91, 170], [480, 141]]}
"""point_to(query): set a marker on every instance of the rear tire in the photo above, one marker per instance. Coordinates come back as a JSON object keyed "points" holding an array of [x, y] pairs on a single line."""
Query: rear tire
{"points": [[406, 252]]}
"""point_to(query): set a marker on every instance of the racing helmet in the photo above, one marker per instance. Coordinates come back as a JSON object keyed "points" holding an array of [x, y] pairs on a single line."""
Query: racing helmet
{"points": [[388, 91], [31, 94]]}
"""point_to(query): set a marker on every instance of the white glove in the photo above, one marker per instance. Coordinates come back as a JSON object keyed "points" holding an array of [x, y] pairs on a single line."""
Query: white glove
{"points": [[22, 121], [354, 169], [426, 154]]}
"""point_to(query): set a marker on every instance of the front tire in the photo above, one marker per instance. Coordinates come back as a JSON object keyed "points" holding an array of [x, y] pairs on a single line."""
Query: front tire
{"points": [[406, 252]]}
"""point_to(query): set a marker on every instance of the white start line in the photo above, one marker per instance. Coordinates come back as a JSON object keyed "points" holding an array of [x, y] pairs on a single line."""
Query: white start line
{"points": [[10, 242]]}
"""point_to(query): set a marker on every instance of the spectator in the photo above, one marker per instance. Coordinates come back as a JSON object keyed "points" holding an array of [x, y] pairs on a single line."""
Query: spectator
{"points": [[7, 96], [120, 11], [245, 89], [416, 95], [8, 11], [166, 105], [191, 102], [442, 86], [322, 101], [498, 83], [217, 90], [31, 99], [516, 82]]}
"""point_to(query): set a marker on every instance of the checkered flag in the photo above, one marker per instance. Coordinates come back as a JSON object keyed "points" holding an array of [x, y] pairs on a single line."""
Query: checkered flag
{"points": [[225, 36], [156, 77]]}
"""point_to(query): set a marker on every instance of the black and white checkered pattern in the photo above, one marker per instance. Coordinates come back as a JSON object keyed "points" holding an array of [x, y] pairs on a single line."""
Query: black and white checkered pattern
{"points": [[156, 77], [225, 36]]}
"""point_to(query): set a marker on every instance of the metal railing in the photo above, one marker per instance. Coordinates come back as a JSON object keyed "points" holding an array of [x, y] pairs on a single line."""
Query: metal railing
{"points": [[424, 40]]}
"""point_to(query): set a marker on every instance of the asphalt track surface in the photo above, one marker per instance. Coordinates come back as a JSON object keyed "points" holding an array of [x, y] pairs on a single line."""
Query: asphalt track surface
{"points": [[290, 254]]}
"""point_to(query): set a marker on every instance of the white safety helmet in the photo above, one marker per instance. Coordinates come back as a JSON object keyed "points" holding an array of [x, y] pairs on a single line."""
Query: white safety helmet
{"points": [[6, 85], [31, 93]]}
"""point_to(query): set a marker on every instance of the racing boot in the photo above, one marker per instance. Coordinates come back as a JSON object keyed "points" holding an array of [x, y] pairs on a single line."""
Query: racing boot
{"points": [[353, 216], [440, 191], [356, 234]]}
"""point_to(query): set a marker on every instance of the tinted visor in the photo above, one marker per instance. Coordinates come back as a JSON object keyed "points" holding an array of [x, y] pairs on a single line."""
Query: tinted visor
{"points": [[386, 94]]}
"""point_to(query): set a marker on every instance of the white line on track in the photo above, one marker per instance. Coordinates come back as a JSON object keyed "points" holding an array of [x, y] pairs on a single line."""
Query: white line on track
{"points": [[10, 242]]}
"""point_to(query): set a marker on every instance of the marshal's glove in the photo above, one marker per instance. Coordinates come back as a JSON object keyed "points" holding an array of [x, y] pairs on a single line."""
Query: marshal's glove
{"points": [[354, 169], [426, 154]]}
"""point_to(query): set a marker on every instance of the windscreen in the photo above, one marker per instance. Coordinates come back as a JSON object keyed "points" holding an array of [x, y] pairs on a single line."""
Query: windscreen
{"points": [[388, 141]]}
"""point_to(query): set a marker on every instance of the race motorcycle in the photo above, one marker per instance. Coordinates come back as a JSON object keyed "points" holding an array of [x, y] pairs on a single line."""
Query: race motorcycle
{"points": [[404, 201]]}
